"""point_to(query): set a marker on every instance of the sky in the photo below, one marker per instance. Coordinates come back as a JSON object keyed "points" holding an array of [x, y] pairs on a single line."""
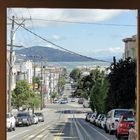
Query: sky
{"points": [[95, 33]]}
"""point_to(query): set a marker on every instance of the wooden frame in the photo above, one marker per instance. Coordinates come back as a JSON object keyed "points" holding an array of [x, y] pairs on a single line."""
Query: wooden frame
{"points": [[90, 4]]}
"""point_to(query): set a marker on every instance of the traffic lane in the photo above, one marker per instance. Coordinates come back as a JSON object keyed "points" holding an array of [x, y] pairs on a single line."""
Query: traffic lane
{"points": [[65, 131], [77, 129], [100, 131], [26, 131], [68, 132], [95, 132], [21, 131]]}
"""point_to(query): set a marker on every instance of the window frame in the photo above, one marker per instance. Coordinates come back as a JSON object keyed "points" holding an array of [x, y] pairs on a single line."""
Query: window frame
{"points": [[90, 4]]}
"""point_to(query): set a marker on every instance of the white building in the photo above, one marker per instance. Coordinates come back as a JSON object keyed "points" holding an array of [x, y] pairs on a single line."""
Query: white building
{"points": [[24, 71], [50, 76]]}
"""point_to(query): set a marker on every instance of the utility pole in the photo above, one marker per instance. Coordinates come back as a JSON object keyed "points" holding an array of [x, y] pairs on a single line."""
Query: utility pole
{"points": [[41, 93], [34, 74], [11, 65], [13, 30]]}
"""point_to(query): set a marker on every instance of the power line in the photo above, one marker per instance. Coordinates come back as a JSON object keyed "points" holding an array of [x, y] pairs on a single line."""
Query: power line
{"points": [[80, 22], [58, 46]]}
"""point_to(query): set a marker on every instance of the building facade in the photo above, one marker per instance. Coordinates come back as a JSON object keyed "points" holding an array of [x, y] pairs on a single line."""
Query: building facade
{"points": [[130, 47]]}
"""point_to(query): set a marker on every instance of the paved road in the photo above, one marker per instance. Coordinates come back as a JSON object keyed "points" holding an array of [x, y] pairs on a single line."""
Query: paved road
{"points": [[62, 122]]}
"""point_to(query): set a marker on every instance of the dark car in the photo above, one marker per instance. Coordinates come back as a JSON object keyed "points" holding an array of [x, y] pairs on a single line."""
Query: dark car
{"points": [[40, 116], [23, 118], [124, 124], [81, 101]]}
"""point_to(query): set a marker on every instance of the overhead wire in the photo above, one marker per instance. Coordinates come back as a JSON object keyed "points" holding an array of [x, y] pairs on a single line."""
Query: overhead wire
{"points": [[58, 46], [80, 22]]}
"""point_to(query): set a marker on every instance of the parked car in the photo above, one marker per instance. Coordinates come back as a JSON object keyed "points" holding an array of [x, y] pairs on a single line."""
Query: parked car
{"points": [[11, 122], [88, 116], [113, 116], [100, 120], [124, 124], [97, 120], [23, 118], [35, 119], [40, 116], [103, 122], [92, 118]]}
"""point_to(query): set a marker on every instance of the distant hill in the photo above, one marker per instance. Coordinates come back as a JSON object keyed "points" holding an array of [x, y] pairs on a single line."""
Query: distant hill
{"points": [[51, 54]]}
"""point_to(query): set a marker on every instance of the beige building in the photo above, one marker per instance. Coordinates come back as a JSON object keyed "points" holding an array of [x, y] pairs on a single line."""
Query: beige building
{"points": [[130, 47]]}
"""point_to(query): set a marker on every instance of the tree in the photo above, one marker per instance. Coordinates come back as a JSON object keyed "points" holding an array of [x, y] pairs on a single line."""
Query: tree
{"points": [[75, 74], [23, 96], [99, 91], [54, 95], [122, 79], [34, 101]]}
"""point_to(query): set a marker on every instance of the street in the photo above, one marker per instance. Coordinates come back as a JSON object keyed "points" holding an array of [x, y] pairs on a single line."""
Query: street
{"points": [[62, 122]]}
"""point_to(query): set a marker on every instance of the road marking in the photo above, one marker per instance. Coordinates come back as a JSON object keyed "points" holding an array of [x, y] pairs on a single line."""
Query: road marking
{"points": [[40, 136], [18, 134], [78, 131], [96, 131], [59, 134], [84, 130], [31, 136]]}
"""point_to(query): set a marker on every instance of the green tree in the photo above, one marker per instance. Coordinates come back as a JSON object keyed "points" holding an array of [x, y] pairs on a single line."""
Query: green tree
{"points": [[85, 84], [99, 91], [122, 79], [54, 95], [21, 94], [34, 101], [75, 74]]}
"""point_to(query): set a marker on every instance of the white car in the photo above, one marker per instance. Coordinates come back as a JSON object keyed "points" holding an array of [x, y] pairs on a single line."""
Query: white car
{"points": [[35, 119], [113, 117], [92, 118], [56, 101], [11, 122]]}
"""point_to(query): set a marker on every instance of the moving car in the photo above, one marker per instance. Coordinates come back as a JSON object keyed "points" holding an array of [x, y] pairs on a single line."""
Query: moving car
{"points": [[72, 99], [11, 122], [56, 101], [124, 124], [40, 116], [23, 118], [86, 104], [63, 101], [80, 101]]}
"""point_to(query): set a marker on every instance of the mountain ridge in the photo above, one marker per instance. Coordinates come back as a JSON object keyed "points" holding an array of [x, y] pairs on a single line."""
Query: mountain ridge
{"points": [[50, 54]]}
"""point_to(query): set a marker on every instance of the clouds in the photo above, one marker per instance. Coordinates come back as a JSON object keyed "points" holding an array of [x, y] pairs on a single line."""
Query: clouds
{"points": [[73, 15], [112, 51], [85, 39]]}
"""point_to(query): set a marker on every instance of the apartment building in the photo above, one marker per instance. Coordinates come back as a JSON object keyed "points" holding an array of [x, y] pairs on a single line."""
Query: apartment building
{"points": [[130, 47]]}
